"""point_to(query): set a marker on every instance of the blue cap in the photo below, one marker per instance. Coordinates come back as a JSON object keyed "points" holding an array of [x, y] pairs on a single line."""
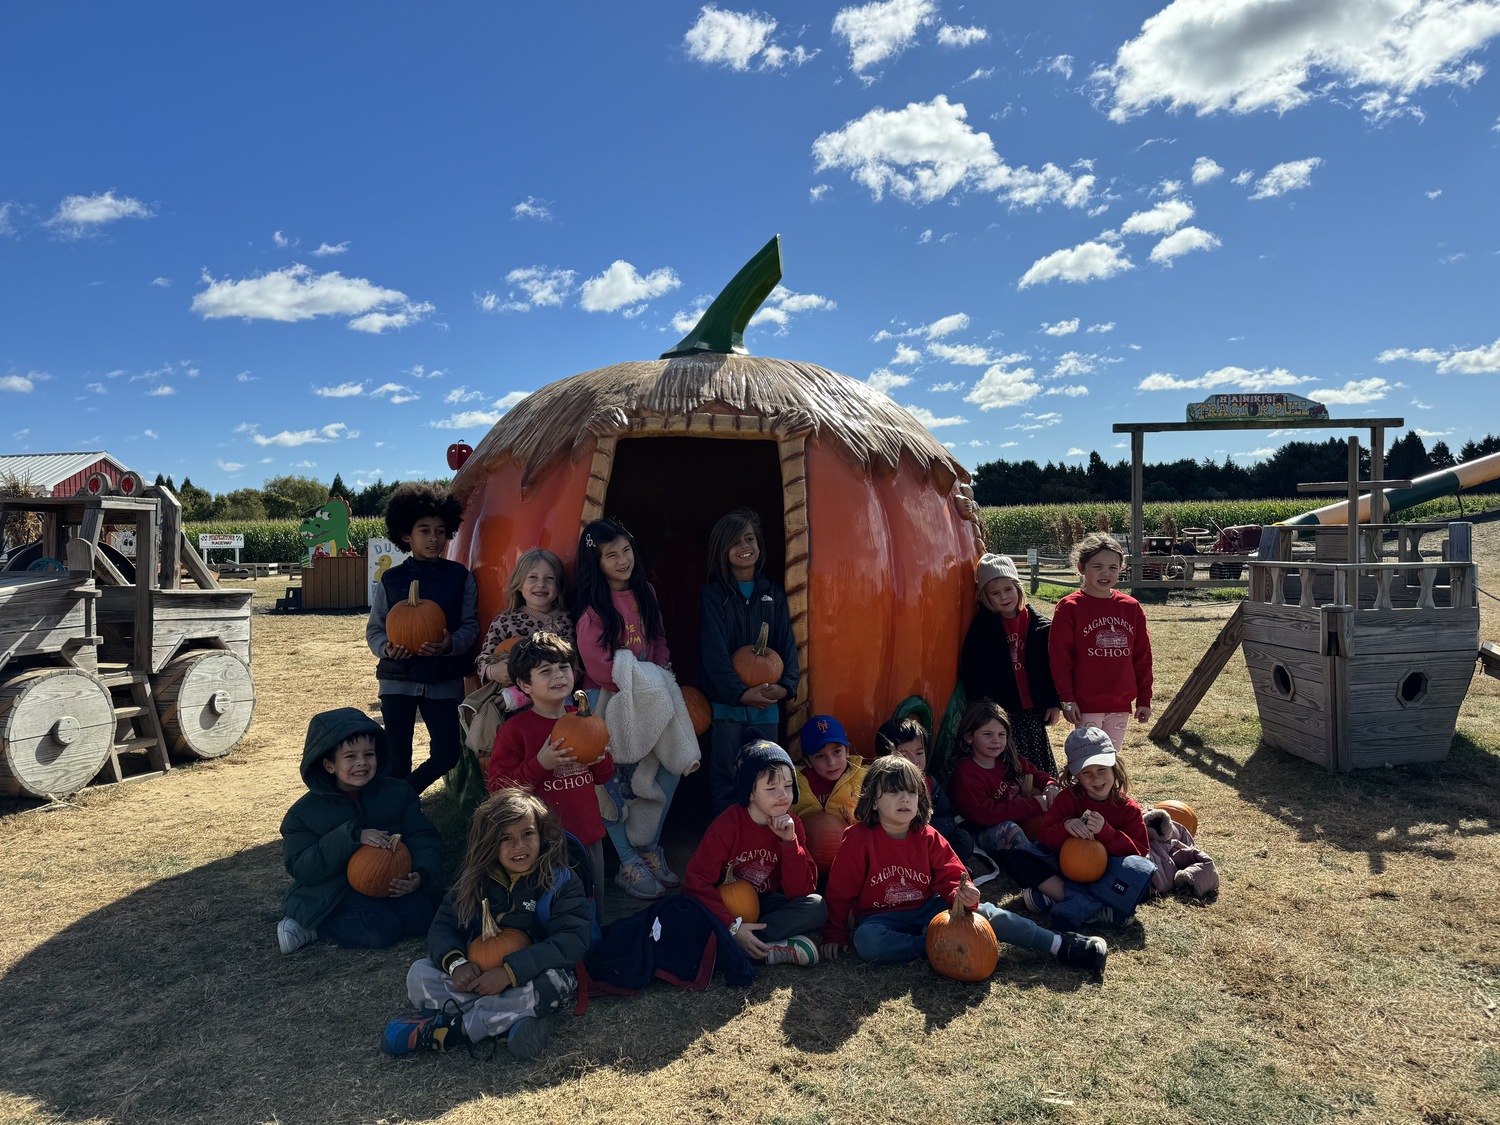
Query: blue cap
{"points": [[819, 731]]}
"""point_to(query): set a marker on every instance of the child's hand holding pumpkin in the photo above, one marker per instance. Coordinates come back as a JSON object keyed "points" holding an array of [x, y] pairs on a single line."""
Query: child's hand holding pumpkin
{"points": [[466, 976], [554, 754], [1078, 827], [967, 895], [375, 838], [406, 884], [442, 645], [397, 652]]}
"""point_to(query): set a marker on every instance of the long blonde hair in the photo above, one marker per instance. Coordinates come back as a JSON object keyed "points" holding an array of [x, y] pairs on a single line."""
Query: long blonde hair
{"points": [[528, 560], [491, 819]]}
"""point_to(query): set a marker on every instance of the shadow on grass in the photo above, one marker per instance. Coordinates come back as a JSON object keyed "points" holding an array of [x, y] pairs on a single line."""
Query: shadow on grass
{"points": [[1380, 812]]}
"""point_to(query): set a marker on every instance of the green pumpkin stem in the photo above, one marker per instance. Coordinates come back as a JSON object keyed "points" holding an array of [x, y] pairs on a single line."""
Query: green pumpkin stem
{"points": [[721, 328]]}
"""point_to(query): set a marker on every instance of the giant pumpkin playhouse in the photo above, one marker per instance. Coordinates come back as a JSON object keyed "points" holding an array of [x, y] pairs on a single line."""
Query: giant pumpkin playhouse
{"points": [[869, 519]]}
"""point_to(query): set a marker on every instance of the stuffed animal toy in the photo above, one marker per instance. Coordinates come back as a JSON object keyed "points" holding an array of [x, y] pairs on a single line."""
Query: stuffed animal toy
{"points": [[1180, 863]]}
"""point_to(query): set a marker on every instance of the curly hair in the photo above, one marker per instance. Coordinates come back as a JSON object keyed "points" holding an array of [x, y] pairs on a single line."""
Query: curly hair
{"points": [[892, 774], [412, 502], [504, 808]]}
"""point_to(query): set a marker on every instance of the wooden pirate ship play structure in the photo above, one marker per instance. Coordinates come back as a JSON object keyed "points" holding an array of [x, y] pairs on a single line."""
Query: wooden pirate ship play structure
{"points": [[111, 668], [867, 516]]}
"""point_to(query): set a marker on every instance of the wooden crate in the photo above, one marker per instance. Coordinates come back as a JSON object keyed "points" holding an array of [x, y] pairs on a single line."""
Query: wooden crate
{"points": [[336, 583]]}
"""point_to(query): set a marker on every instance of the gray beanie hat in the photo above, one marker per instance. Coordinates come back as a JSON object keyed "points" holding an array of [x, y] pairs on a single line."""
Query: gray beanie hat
{"points": [[992, 567]]}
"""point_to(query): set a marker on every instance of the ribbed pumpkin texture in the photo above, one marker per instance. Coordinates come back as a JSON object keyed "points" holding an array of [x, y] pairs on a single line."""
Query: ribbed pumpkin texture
{"points": [[1081, 860], [494, 943], [583, 732], [371, 869], [825, 832], [961, 945], [758, 663], [698, 709], [740, 898], [414, 622]]}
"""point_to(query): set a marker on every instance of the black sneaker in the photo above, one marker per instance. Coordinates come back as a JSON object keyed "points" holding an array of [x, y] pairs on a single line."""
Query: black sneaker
{"points": [[1083, 952], [528, 1037], [426, 1030]]}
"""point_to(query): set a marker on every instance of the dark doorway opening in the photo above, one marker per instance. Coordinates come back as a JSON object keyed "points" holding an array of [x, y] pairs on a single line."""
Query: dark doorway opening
{"points": [[670, 492]]}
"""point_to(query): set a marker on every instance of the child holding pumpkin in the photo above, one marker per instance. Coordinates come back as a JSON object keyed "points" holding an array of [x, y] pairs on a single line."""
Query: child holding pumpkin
{"points": [[527, 753], [1094, 806], [1099, 647], [351, 801], [735, 605], [762, 844], [1005, 658], [894, 874], [516, 874], [424, 619], [535, 603], [994, 788]]}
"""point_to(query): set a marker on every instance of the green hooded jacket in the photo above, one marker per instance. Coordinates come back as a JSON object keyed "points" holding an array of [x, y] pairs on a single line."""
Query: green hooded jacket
{"points": [[321, 830]]}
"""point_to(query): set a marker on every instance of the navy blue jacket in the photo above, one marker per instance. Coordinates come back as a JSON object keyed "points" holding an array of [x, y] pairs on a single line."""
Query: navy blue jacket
{"points": [[730, 621], [984, 666]]}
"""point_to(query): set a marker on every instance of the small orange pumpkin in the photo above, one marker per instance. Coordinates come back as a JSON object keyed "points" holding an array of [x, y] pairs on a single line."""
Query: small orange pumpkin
{"points": [[825, 833], [740, 898], [494, 943], [698, 709], [1182, 813], [372, 868], [1082, 860], [961, 945], [583, 732], [414, 622], [758, 663]]}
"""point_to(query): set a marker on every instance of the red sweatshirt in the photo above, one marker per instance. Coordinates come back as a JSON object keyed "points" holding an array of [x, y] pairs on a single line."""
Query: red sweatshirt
{"points": [[1124, 831], [1101, 652], [760, 857], [874, 871], [568, 789], [992, 796]]}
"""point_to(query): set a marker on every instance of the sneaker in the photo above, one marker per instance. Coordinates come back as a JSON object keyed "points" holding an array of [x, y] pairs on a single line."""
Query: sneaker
{"points": [[1083, 952], [528, 1036], [292, 935], [1036, 902], [425, 1030], [1105, 916], [636, 880], [982, 869], [656, 862], [797, 950]]}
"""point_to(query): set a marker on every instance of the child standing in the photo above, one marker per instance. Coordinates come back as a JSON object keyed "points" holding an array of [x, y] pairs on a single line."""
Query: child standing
{"points": [[1095, 804], [526, 754], [830, 777], [615, 607], [737, 600], [1100, 649], [535, 604], [763, 843], [1005, 658], [351, 800], [894, 874], [907, 738], [422, 519], [516, 867], [994, 788]]}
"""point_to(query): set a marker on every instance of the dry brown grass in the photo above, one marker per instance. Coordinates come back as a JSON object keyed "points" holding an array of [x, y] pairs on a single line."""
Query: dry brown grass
{"points": [[1349, 969]]}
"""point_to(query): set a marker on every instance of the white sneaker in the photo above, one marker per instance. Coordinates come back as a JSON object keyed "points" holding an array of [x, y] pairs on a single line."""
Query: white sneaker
{"points": [[636, 880], [291, 935], [655, 860], [797, 950]]}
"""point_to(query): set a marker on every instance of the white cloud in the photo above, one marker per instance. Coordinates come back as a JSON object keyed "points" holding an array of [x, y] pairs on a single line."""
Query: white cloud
{"points": [[1433, 433], [622, 285], [245, 377], [230, 466], [923, 152], [1075, 390], [1061, 64], [684, 320], [281, 240], [398, 394], [1002, 386], [925, 237], [462, 394], [1434, 194], [1170, 187], [1290, 176], [943, 388], [931, 420], [950, 36], [318, 436], [966, 355], [1243, 177], [1181, 242], [1107, 326], [1164, 218], [162, 282], [1061, 328], [1257, 454], [946, 325], [78, 214], [905, 356], [343, 390], [731, 39], [1420, 405], [1353, 392], [532, 208], [17, 384], [1073, 364], [325, 250], [97, 388], [480, 419], [150, 433], [1246, 55], [886, 381], [1084, 262], [980, 73], [1037, 422], [161, 390], [1238, 377], [1075, 451], [878, 31], [1204, 169], [7, 223], [1451, 361], [817, 192], [296, 293], [782, 304]]}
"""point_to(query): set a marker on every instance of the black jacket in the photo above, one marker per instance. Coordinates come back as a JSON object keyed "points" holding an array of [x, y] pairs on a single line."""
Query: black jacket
{"points": [[729, 621], [984, 665], [559, 923]]}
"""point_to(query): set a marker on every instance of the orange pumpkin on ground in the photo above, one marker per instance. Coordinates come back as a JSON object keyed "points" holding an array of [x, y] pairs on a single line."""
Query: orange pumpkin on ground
{"points": [[372, 868], [825, 833], [1182, 813], [414, 622], [1082, 860], [583, 732], [494, 943], [961, 945], [758, 663], [699, 710], [740, 898]]}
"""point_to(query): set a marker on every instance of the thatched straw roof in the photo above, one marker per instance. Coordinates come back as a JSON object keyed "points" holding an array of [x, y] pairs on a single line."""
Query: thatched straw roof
{"points": [[559, 419]]}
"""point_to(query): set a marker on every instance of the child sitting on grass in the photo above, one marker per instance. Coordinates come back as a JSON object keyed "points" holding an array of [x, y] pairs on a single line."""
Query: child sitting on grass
{"points": [[830, 777], [994, 788], [351, 801], [526, 754], [763, 842], [907, 738], [516, 868]]}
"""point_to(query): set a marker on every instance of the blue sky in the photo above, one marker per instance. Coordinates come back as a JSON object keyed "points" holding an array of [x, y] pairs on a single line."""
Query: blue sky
{"points": [[243, 240]]}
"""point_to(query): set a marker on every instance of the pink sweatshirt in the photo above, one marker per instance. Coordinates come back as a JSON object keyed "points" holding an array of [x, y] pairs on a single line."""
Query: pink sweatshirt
{"points": [[598, 664]]}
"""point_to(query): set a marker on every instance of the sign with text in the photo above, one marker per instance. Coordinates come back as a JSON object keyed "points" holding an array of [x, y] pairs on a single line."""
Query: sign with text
{"points": [[1235, 407], [380, 556], [214, 542]]}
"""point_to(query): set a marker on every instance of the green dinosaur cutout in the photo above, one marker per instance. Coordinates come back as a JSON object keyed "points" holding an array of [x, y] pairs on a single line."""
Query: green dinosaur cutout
{"points": [[325, 529]]}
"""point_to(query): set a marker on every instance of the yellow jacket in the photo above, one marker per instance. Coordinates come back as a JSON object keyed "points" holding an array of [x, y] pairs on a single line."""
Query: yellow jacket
{"points": [[845, 793]]}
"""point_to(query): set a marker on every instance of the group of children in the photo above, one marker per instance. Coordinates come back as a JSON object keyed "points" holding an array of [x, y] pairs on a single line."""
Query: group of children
{"points": [[912, 846]]}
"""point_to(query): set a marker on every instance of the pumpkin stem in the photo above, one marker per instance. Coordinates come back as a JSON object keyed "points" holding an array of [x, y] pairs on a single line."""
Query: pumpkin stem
{"points": [[487, 927], [581, 701], [396, 839], [412, 596], [762, 640], [959, 911], [729, 876], [721, 328]]}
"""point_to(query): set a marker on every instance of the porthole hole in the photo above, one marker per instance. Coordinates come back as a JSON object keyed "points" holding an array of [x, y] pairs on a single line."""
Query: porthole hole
{"points": [[1282, 682], [1413, 688]]}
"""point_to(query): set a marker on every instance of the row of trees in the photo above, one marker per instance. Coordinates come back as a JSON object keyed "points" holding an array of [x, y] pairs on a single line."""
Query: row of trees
{"points": [[1026, 482], [287, 497]]}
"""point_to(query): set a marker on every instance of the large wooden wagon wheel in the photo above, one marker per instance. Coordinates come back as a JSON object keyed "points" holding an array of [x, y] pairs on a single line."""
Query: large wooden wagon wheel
{"points": [[56, 729], [205, 699]]}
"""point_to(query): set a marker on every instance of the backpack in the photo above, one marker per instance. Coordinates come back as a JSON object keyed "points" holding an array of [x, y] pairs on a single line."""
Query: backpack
{"points": [[581, 869]]}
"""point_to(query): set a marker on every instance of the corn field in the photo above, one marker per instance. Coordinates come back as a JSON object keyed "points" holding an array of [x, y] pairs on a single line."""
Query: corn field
{"points": [[269, 541]]}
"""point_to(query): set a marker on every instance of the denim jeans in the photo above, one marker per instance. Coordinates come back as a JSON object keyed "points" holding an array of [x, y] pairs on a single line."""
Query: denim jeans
{"points": [[901, 935], [362, 922]]}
